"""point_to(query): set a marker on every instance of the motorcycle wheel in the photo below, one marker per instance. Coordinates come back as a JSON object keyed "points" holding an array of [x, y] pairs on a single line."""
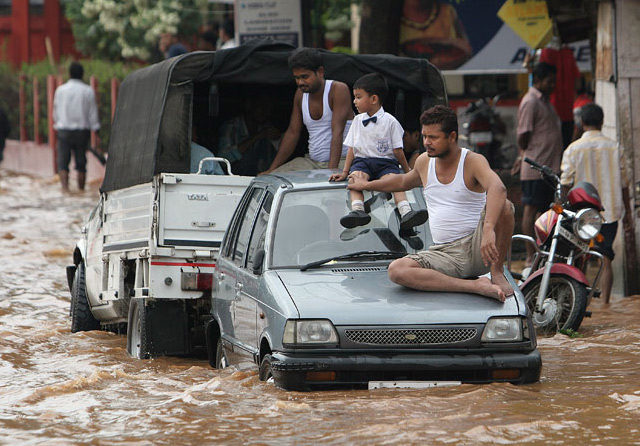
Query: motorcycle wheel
{"points": [[563, 307]]}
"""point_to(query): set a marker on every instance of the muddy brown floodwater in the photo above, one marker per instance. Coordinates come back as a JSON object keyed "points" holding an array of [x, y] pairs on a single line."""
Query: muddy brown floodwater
{"points": [[59, 388]]}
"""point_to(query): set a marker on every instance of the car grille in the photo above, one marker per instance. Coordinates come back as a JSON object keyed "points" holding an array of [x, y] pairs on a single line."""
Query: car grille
{"points": [[429, 336]]}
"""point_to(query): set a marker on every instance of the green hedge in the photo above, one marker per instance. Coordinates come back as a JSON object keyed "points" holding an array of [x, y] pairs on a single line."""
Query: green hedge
{"points": [[9, 92]]}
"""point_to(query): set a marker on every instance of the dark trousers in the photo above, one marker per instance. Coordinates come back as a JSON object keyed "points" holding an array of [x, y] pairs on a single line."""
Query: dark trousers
{"points": [[74, 142]]}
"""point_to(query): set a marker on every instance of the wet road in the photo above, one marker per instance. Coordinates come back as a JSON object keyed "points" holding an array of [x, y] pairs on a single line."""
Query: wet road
{"points": [[59, 388]]}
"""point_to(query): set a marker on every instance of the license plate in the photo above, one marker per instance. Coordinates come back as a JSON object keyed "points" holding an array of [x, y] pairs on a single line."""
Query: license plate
{"points": [[573, 239], [411, 384]]}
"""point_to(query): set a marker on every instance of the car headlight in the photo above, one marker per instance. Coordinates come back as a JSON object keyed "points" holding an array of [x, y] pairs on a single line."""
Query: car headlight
{"points": [[309, 332], [588, 223], [500, 329]]}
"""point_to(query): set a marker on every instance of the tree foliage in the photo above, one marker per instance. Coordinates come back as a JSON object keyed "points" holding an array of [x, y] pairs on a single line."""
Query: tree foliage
{"points": [[129, 29]]}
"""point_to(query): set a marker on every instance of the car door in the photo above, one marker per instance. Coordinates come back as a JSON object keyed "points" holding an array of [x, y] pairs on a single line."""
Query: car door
{"points": [[249, 283], [236, 314]]}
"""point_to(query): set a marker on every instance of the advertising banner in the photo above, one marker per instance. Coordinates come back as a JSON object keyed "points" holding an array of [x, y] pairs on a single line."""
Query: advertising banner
{"points": [[529, 19], [469, 37]]}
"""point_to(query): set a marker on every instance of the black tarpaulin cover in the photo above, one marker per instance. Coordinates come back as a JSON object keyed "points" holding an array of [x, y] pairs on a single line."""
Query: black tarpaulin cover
{"points": [[152, 121]]}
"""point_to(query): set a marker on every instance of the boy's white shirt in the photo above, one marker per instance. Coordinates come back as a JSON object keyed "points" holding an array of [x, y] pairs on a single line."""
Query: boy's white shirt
{"points": [[376, 140]]}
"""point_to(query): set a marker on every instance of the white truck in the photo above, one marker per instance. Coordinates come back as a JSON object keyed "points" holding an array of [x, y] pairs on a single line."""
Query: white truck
{"points": [[146, 258]]}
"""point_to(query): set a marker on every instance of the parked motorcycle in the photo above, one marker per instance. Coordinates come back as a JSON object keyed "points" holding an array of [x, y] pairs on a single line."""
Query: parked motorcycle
{"points": [[483, 131], [557, 290]]}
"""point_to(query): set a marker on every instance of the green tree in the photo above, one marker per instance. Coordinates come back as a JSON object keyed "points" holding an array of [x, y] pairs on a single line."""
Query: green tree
{"points": [[129, 29]]}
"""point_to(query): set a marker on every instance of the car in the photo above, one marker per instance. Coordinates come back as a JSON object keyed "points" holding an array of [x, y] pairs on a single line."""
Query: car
{"points": [[310, 304]]}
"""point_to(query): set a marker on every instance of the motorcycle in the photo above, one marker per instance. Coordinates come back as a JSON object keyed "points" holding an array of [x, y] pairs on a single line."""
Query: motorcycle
{"points": [[483, 131], [556, 289]]}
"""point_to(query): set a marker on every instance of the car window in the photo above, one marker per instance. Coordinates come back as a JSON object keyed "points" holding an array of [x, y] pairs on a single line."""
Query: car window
{"points": [[308, 228], [244, 225], [260, 229], [230, 236]]}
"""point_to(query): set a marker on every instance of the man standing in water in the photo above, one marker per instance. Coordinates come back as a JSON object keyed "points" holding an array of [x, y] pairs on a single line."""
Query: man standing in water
{"points": [[75, 116], [470, 218], [539, 138]]}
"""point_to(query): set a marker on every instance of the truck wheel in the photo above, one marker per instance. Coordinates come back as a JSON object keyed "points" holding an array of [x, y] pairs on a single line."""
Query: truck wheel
{"points": [[137, 330], [81, 317]]}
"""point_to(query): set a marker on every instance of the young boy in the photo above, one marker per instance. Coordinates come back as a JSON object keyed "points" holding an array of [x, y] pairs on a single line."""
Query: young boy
{"points": [[375, 149]]}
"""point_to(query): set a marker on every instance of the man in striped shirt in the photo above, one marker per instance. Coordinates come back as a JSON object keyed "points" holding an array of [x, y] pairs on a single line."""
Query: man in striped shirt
{"points": [[600, 161]]}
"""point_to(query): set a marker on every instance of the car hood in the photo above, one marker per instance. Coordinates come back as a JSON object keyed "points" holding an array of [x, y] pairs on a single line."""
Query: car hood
{"points": [[366, 296]]}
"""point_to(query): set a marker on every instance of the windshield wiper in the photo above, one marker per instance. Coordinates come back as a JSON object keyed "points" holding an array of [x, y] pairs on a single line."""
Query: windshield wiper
{"points": [[372, 255]]}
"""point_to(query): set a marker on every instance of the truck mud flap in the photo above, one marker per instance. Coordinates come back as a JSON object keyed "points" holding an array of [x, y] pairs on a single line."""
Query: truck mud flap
{"points": [[168, 328]]}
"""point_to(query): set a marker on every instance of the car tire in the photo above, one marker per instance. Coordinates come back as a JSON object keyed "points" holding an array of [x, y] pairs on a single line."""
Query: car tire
{"points": [[137, 330], [266, 374], [81, 317], [221, 357], [287, 381]]}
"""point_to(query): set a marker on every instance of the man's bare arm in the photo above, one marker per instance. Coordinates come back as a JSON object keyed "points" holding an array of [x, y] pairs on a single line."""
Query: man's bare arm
{"points": [[388, 183], [291, 135], [340, 102], [523, 140], [496, 199]]}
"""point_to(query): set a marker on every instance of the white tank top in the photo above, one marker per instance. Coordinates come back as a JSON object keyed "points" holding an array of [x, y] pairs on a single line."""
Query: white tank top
{"points": [[454, 210], [320, 129]]}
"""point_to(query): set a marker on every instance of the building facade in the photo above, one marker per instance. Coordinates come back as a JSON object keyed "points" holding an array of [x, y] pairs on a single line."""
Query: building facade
{"points": [[33, 30]]}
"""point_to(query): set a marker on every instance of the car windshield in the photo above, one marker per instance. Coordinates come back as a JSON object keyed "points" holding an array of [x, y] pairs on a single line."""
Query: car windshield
{"points": [[308, 228]]}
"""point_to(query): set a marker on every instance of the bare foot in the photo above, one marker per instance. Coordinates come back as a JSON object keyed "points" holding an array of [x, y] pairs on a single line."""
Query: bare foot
{"points": [[502, 282], [486, 288]]}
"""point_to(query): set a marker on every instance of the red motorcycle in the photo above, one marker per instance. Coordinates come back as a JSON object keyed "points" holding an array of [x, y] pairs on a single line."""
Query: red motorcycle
{"points": [[556, 289]]}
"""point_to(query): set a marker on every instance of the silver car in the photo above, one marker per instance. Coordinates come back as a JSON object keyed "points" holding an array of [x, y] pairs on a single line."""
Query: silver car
{"points": [[311, 304]]}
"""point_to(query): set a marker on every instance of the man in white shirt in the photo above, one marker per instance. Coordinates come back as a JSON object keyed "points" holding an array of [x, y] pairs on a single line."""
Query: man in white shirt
{"points": [[324, 107], [600, 161], [75, 115]]}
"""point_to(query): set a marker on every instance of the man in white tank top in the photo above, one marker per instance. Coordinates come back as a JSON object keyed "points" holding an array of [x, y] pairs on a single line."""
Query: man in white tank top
{"points": [[324, 107], [470, 218]]}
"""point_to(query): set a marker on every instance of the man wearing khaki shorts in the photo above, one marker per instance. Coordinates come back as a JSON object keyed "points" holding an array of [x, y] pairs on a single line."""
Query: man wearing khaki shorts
{"points": [[459, 258], [470, 218]]}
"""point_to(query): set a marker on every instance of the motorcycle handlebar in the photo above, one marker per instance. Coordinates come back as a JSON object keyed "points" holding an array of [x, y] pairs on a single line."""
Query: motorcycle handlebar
{"points": [[533, 163], [546, 170]]}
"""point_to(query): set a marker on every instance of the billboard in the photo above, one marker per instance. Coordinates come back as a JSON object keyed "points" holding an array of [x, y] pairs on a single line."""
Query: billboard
{"points": [[277, 19], [468, 36]]}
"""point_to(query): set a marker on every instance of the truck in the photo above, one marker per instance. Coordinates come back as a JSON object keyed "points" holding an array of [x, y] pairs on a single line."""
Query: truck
{"points": [[145, 260]]}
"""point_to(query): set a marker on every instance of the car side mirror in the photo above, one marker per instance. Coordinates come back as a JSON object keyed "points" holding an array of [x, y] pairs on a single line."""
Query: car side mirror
{"points": [[258, 260]]}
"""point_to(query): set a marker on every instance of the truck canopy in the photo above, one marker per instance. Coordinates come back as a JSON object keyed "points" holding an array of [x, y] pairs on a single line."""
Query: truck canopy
{"points": [[160, 105]]}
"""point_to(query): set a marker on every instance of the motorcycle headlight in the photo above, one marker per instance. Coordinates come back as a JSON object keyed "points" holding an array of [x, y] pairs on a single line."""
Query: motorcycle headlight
{"points": [[501, 329], [588, 223], [309, 332]]}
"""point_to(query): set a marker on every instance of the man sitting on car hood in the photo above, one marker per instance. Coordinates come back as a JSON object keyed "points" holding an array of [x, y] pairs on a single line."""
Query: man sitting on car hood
{"points": [[470, 218]]}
